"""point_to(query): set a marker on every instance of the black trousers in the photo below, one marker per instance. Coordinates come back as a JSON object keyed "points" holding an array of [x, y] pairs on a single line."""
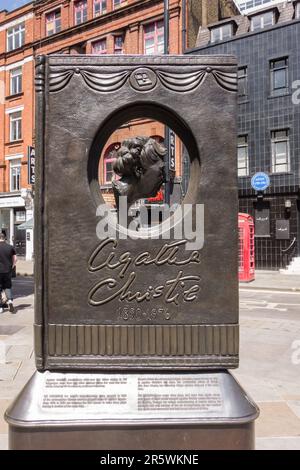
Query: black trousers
{"points": [[6, 285]]}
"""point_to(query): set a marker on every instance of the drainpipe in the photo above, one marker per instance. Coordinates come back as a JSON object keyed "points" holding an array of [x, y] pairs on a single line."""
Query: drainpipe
{"points": [[183, 31], [167, 134]]}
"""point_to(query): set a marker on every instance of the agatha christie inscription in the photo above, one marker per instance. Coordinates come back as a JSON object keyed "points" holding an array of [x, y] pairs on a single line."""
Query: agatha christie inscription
{"points": [[121, 284]]}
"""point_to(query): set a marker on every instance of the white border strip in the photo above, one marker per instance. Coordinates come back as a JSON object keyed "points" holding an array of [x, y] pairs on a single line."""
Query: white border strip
{"points": [[14, 110], [16, 22], [15, 65], [17, 156]]}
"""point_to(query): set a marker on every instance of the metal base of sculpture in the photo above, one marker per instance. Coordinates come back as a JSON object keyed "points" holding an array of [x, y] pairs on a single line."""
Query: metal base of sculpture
{"points": [[124, 411]]}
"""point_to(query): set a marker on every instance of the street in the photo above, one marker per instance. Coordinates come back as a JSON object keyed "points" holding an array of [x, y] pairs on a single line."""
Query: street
{"points": [[269, 362]]}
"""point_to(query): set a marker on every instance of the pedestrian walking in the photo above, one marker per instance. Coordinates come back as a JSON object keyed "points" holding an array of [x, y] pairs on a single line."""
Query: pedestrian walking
{"points": [[8, 261]]}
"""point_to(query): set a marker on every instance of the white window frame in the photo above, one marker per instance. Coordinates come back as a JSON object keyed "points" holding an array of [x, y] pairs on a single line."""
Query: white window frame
{"points": [[157, 34], [243, 170], [17, 121], [275, 139], [99, 41], [297, 11], [102, 9], [57, 22], [83, 17], [119, 4], [245, 78], [262, 20], [221, 30], [117, 50], [14, 32], [17, 75], [15, 167], [274, 70]]}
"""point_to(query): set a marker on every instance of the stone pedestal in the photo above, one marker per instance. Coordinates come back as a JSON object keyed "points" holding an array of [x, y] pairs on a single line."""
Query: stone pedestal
{"points": [[136, 411]]}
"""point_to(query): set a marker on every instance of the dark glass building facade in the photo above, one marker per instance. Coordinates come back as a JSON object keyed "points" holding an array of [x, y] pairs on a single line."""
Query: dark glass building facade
{"points": [[268, 125]]}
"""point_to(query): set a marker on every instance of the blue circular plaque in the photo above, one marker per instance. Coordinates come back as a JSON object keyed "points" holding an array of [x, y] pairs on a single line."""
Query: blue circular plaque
{"points": [[260, 181]]}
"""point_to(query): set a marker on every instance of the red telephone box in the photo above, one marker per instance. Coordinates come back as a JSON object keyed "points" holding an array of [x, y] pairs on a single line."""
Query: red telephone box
{"points": [[246, 248]]}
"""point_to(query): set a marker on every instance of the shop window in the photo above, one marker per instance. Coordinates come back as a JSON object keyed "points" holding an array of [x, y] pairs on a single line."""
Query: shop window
{"points": [[53, 22], [15, 175], [280, 151], [16, 81], [99, 47], [80, 10], [15, 126], [20, 216], [154, 38], [15, 37]]}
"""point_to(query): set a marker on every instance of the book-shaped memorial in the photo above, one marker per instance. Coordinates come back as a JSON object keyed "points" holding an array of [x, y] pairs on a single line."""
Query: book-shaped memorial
{"points": [[113, 299], [132, 287]]}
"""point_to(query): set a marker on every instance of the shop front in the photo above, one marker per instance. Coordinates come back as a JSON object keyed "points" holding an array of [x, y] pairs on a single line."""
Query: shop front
{"points": [[12, 214]]}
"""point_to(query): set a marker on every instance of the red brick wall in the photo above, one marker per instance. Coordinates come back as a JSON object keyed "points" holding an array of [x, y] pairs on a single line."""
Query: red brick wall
{"points": [[22, 57], [126, 20]]}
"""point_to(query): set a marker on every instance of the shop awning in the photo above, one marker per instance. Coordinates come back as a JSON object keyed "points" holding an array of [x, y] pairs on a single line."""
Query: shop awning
{"points": [[28, 225]]}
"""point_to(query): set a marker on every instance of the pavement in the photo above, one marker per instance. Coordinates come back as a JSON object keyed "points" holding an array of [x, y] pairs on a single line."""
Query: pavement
{"points": [[273, 280], [269, 357], [24, 267]]}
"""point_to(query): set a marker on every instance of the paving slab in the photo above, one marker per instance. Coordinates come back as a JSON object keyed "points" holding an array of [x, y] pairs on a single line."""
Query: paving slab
{"points": [[277, 420], [278, 443], [3, 441]]}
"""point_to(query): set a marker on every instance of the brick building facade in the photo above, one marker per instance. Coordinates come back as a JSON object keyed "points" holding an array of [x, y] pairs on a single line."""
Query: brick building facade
{"points": [[77, 27]]}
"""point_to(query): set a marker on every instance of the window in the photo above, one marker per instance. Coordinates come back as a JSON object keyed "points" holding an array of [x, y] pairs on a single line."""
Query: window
{"points": [[262, 21], [279, 76], [154, 38], [118, 3], [20, 216], [16, 81], [109, 158], [280, 151], [243, 81], [15, 37], [221, 33], [15, 175], [118, 45], [297, 11], [80, 9], [99, 7], [15, 126], [99, 47], [243, 159], [53, 22]]}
